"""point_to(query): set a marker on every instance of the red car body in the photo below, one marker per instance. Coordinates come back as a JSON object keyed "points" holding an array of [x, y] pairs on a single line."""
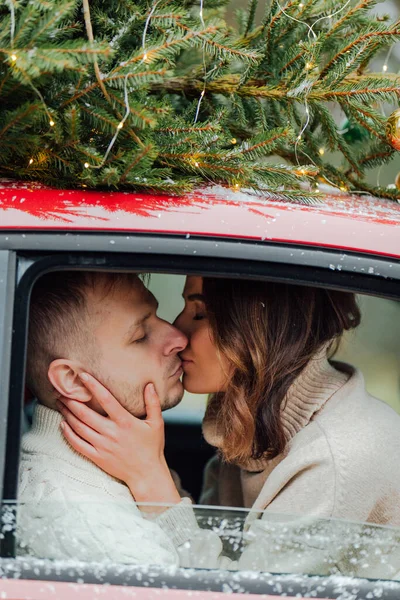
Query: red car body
{"points": [[353, 223]]}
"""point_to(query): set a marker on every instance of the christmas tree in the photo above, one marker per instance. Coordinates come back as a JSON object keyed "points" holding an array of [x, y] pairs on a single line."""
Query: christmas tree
{"points": [[165, 96]]}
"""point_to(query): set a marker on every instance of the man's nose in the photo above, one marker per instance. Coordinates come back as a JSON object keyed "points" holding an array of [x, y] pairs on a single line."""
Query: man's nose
{"points": [[176, 341]]}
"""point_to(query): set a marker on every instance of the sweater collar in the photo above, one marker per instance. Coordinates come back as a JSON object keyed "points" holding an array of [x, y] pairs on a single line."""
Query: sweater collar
{"points": [[315, 385], [45, 437]]}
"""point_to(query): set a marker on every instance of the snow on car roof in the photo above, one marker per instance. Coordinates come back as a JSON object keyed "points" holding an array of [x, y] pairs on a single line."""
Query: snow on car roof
{"points": [[339, 220]]}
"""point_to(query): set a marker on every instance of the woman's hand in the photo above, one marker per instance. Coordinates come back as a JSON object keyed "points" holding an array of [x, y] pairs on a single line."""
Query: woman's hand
{"points": [[127, 448]]}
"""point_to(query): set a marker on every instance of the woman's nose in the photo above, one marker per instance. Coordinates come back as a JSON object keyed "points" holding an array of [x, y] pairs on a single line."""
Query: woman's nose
{"points": [[181, 324]]}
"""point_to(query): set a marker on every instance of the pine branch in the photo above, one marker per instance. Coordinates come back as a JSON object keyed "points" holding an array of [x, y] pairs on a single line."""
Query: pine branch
{"points": [[250, 17], [345, 20], [258, 85], [368, 37]]}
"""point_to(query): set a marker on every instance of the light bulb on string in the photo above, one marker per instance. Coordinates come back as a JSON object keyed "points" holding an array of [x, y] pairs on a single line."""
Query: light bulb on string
{"points": [[386, 63], [146, 26], [14, 57]]}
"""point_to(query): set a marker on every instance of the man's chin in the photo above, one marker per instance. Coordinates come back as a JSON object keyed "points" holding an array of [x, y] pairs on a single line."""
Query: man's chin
{"points": [[174, 397]]}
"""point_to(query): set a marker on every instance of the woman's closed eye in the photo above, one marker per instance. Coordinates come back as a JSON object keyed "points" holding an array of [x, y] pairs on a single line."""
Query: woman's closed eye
{"points": [[199, 317], [140, 340]]}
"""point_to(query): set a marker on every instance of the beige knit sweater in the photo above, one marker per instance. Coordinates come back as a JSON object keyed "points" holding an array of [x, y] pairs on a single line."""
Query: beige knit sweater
{"points": [[312, 506], [342, 457]]}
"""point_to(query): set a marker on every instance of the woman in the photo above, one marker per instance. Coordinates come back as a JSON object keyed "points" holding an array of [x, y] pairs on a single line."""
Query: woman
{"points": [[295, 433]]}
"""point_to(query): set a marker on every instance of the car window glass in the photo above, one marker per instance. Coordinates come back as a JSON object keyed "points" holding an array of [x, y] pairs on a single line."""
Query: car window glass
{"points": [[226, 539]]}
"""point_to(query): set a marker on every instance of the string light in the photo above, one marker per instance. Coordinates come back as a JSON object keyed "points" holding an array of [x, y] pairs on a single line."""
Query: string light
{"points": [[119, 126], [299, 137], [198, 105], [12, 18], [321, 151], [14, 58], [196, 164], [146, 26], [309, 65], [233, 141], [204, 66], [386, 63], [30, 161], [86, 165], [311, 27]]}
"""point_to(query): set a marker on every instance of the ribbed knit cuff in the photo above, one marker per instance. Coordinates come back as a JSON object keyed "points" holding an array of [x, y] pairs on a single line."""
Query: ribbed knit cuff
{"points": [[179, 522]]}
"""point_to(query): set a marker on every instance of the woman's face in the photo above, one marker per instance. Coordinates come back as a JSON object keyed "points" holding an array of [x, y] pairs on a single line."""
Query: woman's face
{"points": [[204, 368]]}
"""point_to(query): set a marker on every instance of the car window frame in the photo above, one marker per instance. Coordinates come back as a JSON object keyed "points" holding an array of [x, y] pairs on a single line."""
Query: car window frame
{"points": [[294, 264], [7, 290]]}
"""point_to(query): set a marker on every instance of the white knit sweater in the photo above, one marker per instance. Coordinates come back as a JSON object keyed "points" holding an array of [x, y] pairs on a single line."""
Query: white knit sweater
{"points": [[69, 508]]}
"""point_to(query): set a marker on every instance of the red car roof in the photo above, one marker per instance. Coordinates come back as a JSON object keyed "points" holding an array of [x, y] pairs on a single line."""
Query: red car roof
{"points": [[358, 223]]}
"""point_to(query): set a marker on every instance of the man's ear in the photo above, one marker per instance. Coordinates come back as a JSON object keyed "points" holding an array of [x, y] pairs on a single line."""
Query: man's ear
{"points": [[64, 376]]}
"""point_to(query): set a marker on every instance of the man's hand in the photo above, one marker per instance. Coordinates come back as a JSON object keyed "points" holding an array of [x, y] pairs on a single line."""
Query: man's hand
{"points": [[127, 448]]}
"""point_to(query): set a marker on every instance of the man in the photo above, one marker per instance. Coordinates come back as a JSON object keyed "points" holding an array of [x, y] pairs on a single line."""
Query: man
{"points": [[104, 324]]}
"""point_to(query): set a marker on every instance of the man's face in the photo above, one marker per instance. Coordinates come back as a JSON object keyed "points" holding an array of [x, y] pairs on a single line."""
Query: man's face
{"points": [[134, 347]]}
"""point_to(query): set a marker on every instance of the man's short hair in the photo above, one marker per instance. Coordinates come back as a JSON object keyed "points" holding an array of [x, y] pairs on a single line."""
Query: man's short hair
{"points": [[59, 321]]}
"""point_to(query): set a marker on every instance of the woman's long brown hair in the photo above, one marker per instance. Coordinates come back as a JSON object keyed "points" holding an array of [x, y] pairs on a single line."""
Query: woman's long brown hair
{"points": [[268, 332]]}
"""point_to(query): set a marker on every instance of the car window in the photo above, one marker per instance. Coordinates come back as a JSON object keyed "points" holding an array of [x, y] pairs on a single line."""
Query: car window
{"points": [[65, 524], [226, 539]]}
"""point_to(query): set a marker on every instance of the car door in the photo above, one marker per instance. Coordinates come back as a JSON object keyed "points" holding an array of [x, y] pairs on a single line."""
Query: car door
{"points": [[276, 262]]}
